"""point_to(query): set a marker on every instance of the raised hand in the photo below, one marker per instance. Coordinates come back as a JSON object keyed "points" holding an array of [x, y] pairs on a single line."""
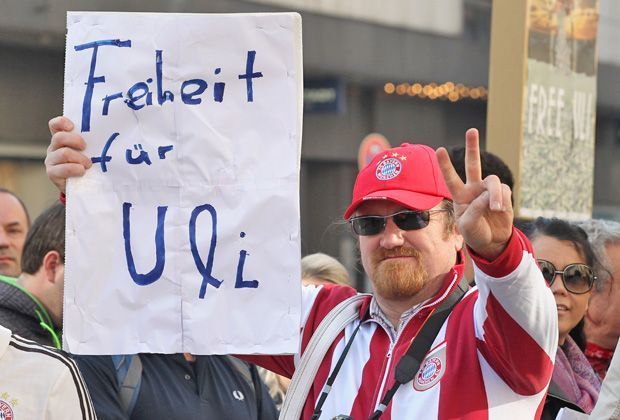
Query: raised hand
{"points": [[483, 208], [64, 155]]}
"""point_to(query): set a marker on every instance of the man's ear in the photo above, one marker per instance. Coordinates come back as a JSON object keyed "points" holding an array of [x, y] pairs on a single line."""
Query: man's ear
{"points": [[51, 263], [459, 242]]}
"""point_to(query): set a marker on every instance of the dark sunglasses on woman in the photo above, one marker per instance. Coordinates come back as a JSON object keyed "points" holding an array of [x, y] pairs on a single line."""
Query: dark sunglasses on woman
{"points": [[577, 278]]}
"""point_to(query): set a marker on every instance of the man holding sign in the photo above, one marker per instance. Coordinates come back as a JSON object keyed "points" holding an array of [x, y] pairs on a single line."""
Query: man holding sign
{"points": [[493, 356], [237, 168], [167, 232]]}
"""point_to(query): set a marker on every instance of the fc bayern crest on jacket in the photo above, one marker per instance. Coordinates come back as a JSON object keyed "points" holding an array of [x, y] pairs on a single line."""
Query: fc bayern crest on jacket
{"points": [[389, 167], [432, 369], [6, 409]]}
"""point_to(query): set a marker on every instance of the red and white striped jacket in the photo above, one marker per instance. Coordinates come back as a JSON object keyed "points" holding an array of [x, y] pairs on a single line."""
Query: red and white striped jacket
{"points": [[492, 359]]}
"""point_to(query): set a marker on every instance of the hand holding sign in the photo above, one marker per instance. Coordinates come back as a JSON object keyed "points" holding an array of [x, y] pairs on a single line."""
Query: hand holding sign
{"points": [[64, 155]]}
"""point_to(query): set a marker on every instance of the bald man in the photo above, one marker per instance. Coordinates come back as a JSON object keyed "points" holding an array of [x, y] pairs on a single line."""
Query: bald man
{"points": [[14, 224]]}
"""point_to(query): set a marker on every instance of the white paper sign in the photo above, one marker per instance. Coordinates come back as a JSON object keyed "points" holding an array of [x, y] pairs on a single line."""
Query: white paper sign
{"points": [[184, 235]]}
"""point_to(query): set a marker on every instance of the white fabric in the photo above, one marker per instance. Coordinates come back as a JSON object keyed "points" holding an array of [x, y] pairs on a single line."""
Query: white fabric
{"points": [[608, 404], [322, 338], [37, 382]]}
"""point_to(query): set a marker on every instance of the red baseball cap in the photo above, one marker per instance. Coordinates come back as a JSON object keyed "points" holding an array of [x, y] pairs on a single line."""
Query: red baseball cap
{"points": [[408, 175]]}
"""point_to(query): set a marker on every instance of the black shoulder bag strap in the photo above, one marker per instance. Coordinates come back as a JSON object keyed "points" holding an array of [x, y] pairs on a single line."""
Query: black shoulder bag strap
{"points": [[409, 364]]}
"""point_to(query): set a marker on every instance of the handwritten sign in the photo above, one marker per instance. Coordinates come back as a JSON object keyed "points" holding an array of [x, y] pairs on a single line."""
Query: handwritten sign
{"points": [[184, 234]]}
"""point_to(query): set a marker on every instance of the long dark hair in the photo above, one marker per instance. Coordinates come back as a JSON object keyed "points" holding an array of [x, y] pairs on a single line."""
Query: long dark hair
{"points": [[565, 231]]}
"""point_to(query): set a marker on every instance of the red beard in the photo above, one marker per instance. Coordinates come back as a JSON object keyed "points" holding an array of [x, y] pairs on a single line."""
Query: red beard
{"points": [[398, 279]]}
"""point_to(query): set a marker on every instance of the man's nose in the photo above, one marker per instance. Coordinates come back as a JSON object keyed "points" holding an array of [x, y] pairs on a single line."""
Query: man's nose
{"points": [[392, 235], [4, 239]]}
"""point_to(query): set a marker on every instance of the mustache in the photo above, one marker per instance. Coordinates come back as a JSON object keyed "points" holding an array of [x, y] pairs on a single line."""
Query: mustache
{"points": [[382, 253]]}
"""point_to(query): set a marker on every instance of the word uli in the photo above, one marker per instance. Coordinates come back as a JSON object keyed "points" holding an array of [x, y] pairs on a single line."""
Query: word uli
{"points": [[204, 268], [142, 157], [140, 95]]}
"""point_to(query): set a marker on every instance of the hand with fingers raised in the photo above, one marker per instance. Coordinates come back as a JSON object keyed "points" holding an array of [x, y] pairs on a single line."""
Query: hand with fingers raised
{"points": [[483, 208], [64, 155]]}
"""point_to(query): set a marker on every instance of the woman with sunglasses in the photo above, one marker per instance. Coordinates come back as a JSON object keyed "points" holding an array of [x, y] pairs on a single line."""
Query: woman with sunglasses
{"points": [[565, 258]]}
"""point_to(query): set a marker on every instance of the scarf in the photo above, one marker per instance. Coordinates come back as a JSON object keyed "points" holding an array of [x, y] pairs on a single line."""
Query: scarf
{"points": [[575, 377], [599, 357]]}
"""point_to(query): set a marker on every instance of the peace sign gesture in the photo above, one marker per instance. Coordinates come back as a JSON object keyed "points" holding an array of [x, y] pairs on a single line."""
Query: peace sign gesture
{"points": [[483, 209]]}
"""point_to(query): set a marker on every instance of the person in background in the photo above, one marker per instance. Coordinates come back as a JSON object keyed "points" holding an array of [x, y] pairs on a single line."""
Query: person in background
{"points": [[175, 386], [31, 305], [320, 269], [565, 258], [38, 382], [602, 321], [490, 164], [14, 224]]}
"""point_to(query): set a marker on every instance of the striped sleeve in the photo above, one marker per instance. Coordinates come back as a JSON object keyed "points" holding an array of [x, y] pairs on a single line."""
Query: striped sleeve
{"points": [[68, 401], [68, 397], [515, 318]]}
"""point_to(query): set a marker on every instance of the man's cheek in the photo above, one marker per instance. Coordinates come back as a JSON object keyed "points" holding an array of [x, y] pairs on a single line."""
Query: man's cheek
{"points": [[596, 306]]}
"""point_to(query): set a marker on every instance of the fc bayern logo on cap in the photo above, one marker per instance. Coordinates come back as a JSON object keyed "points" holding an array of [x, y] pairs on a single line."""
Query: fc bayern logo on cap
{"points": [[388, 169]]}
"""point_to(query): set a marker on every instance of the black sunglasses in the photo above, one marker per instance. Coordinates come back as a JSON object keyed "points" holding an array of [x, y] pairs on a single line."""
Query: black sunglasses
{"points": [[404, 219], [577, 278]]}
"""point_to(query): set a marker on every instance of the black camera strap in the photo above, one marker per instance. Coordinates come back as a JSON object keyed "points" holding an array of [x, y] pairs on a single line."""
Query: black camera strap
{"points": [[409, 364]]}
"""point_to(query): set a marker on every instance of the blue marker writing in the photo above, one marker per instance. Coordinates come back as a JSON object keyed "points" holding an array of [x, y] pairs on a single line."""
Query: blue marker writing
{"points": [[160, 247], [218, 88], [162, 95], [104, 153], [143, 157], [204, 269], [162, 150], [137, 92], [249, 75], [239, 282], [190, 98], [92, 80]]}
